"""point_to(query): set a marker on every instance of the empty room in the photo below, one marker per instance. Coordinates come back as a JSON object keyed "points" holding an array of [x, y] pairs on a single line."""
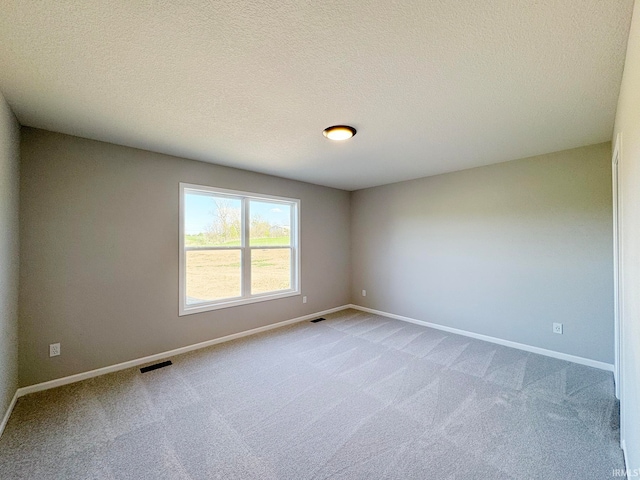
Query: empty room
{"points": [[319, 240]]}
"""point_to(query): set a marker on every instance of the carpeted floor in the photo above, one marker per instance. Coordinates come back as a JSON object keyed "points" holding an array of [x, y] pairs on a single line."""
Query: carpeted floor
{"points": [[357, 396]]}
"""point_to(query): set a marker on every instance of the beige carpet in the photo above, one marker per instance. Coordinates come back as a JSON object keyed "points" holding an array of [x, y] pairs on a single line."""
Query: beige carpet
{"points": [[357, 396]]}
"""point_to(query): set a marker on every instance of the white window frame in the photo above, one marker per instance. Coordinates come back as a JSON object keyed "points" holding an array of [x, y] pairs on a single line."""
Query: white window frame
{"points": [[245, 249]]}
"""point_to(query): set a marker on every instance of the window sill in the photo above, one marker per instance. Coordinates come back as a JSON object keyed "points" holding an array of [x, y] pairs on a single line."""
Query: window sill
{"points": [[206, 307]]}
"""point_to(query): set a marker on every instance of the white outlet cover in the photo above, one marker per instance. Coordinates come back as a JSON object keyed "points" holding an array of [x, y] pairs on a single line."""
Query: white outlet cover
{"points": [[304, 299], [54, 349], [364, 293], [557, 328]]}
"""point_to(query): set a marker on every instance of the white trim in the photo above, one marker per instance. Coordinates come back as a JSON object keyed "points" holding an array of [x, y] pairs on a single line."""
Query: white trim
{"points": [[7, 414], [207, 190], [244, 248], [178, 351], [617, 266], [499, 341], [160, 356], [245, 251], [623, 446], [238, 301]]}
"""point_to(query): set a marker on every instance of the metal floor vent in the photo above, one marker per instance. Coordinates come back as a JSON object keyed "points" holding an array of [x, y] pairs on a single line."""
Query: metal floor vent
{"points": [[155, 366], [317, 320]]}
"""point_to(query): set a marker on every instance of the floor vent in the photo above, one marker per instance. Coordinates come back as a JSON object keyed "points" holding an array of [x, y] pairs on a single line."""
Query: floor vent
{"points": [[317, 320], [155, 366]]}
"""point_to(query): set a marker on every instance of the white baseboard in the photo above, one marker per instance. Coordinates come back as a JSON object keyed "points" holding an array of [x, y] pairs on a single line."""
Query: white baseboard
{"points": [[507, 343], [7, 414], [160, 356]]}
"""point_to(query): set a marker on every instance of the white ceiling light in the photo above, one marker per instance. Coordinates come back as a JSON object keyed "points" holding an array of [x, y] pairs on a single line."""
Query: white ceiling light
{"points": [[339, 132]]}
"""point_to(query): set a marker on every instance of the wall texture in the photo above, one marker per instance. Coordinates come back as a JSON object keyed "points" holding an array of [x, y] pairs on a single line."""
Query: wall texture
{"points": [[9, 183], [99, 239], [628, 126], [502, 250]]}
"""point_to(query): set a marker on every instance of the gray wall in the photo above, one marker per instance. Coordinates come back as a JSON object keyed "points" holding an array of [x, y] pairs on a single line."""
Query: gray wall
{"points": [[9, 182], [628, 126], [502, 250], [99, 263]]}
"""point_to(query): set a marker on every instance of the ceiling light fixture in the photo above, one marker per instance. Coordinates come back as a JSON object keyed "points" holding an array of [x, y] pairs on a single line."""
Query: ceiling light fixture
{"points": [[339, 132]]}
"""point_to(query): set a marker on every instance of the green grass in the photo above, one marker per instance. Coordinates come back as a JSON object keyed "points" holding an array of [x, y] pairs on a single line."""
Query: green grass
{"points": [[269, 241], [201, 241]]}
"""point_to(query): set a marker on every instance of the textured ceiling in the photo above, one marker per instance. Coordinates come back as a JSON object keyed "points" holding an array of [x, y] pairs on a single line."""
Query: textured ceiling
{"points": [[432, 86]]}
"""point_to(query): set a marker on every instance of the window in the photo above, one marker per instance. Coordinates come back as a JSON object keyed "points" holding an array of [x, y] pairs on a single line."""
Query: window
{"points": [[236, 248]]}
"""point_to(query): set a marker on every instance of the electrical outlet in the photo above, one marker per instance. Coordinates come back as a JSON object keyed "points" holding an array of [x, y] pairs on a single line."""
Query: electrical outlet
{"points": [[364, 293], [557, 328], [54, 349], [304, 299]]}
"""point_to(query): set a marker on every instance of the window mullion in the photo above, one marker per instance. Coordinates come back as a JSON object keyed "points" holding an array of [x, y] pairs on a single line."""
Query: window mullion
{"points": [[246, 250], [294, 241]]}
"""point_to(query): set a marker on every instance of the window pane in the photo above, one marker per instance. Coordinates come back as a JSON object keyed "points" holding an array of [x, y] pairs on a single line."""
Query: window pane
{"points": [[211, 221], [270, 224], [212, 275], [270, 270]]}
